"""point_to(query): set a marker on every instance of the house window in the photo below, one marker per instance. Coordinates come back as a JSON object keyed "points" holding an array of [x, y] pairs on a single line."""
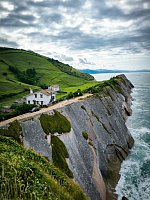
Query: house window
{"points": [[35, 95], [41, 102], [37, 102], [28, 102], [41, 95], [34, 102]]}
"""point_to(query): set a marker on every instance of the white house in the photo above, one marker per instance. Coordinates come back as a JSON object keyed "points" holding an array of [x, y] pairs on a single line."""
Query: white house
{"points": [[43, 97], [54, 88]]}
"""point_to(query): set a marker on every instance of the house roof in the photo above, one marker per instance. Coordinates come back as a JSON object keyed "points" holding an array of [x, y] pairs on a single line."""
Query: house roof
{"points": [[46, 92], [55, 86]]}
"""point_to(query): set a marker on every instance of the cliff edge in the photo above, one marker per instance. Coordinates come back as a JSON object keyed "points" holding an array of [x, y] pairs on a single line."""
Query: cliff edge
{"points": [[93, 132]]}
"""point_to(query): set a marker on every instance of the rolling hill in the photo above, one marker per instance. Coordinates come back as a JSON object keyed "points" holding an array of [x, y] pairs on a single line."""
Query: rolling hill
{"points": [[16, 77]]}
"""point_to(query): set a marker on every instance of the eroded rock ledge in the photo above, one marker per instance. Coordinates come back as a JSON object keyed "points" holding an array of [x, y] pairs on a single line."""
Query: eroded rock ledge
{"points": [[97, 142]]}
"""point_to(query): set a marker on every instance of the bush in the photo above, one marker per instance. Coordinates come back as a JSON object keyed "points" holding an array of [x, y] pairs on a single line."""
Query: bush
{"points": [[17, 110], [24, 108], [83, 107], [59, 153], [70, 95], [29, 76], [77, 93], [55, 123], [85, 135], [13, 131]]}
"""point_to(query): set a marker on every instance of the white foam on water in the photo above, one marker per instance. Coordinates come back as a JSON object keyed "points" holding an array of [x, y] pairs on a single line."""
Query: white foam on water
{"points": [[144, 130], [123, 186], [136, 133], [132, 184]]}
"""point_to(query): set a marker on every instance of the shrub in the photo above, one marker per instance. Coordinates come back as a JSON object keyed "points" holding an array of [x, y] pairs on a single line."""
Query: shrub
{"points": [[85, 135], [83, 107], [55, 123], [70, 95], [13, 131], [29, 76], [24, 108], [17, 110], [59, 153], [77, 93]]}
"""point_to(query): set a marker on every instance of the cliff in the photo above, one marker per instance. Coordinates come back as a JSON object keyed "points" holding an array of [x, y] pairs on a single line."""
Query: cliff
{"points": [[95, 136]]}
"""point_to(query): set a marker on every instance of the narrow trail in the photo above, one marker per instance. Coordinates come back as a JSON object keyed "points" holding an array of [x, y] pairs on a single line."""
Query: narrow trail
{"points": [[43, 110]]}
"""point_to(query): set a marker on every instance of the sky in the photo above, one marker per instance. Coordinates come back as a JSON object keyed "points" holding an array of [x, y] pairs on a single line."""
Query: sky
{"points": [[95, 34]]}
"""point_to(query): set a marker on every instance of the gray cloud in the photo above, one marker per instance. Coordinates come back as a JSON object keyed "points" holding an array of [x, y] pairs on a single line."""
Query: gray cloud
{"points": [[55, 17], [105, 9], [63, 57], [17, 20], [76, 25], [85, 61], [56, 3], [7, 43]]}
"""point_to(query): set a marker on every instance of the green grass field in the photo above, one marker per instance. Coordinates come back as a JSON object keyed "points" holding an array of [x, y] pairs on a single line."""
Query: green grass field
{"points": [[74, 89], [47, 70]]}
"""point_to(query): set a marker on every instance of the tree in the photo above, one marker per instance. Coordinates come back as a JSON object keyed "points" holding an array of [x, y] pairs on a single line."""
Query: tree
{"points": [[5, 74], [31, 72]]}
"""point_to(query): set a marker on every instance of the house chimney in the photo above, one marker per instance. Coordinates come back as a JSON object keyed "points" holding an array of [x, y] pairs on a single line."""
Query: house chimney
{"points": [[31, 91]]}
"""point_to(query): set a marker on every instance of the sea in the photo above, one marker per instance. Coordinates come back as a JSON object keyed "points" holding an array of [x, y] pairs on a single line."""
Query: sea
{"points": [[135, 170]]}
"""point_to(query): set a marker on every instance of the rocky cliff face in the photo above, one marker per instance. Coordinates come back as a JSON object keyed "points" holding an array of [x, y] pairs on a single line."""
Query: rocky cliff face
{"points": [[95, 159]]}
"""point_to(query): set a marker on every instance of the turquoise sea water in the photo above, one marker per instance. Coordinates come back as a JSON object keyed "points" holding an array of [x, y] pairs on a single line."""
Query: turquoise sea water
{"points": [[135, 170]]}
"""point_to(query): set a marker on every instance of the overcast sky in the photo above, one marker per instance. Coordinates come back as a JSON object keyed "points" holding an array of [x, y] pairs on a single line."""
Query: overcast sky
{"points": [[111, 34]]}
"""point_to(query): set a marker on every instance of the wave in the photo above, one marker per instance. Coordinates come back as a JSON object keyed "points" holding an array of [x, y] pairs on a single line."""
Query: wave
{"points": [[138, 131], [135, 181], [144, 130]]}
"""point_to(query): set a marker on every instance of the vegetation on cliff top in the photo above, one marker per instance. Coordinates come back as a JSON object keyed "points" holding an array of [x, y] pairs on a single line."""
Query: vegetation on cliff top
{"points": [[96, 87], [25, 174], [113, 83], [16, 110], [56, 123], [13, 131]]}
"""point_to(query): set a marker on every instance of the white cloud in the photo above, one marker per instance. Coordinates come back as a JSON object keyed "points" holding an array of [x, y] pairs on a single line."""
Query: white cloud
{"points": [[7, 5]]}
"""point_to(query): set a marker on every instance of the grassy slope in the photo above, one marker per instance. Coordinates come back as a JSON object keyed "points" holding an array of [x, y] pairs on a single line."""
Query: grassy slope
{"points": [[49, 73], [25, 174]]}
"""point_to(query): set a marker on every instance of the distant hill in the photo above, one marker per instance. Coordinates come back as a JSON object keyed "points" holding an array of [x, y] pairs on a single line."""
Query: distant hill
{"points": [[100, 71], [21, 70]]}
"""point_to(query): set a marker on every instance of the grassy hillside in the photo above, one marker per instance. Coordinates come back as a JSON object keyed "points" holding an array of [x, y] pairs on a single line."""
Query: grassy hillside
{"points": [[25, 174], [48, 72]]}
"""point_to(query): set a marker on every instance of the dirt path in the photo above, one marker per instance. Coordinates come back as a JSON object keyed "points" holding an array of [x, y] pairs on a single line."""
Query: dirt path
{"points": [[43, 110]]}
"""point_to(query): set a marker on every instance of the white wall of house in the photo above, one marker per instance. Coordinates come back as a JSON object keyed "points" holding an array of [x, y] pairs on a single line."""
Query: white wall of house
{"points": [[56, 89], [39, 98]]}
